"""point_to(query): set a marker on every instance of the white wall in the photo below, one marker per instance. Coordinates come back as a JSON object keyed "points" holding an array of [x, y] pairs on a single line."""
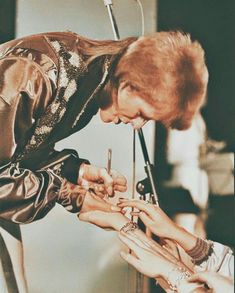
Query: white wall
{"points": [[62, 254]]}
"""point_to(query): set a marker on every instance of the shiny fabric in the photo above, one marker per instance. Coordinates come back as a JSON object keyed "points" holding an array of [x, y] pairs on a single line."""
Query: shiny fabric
{"points": [[25, 195], [30, 79], [220, 261]]}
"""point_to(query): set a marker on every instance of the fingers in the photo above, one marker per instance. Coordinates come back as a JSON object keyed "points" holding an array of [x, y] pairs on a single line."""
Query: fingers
{"points": [[148, 222], [154, 246], [108, 181], [113, 181], [141, 205], [94, 202], [202, 277], [98, 189], [120, 188], [100, 180], [131, 259], [146, 219], [119, 182], [118, 178]]}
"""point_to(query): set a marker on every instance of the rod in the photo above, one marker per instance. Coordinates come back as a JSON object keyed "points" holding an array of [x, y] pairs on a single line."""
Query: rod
{"points": [[148, 168], [108, 4]]}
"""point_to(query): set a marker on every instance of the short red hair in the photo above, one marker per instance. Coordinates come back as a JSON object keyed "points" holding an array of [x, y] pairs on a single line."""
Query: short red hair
{"points": [[168, 70]]}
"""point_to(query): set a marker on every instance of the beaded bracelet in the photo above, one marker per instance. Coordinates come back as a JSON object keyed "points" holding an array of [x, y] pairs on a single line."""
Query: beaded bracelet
{"points": [[200, 251], [173, 280], [128, 227]]}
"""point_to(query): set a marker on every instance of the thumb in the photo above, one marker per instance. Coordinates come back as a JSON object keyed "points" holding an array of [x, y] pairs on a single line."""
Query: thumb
{"points": [[84, 217], [198, 277]]}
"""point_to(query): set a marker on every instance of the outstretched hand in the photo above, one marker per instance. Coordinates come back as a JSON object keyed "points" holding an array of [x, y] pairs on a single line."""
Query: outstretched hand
{"points": [[149, 257], [105, 220], [92, 203], [152, 216]]}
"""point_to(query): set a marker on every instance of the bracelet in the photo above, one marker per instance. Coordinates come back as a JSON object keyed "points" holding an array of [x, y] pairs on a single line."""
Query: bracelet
{"points": [[201, 251], [173, 280], [129, 227]]}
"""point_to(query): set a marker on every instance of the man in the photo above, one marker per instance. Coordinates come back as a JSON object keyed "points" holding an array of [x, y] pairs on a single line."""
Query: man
{"points": [[53, 83]]}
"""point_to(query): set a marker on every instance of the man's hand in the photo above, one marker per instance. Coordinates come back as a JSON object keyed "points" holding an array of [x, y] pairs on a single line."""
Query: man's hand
{"points": [[92, 202], [100, 181], [105, 220]]}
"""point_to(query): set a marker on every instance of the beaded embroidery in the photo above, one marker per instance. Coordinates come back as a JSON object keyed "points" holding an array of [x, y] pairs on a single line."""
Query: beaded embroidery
{"points": [[72, 67]]}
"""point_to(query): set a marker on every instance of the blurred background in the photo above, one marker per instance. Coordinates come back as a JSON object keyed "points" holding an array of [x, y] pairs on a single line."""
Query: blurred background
{"points": [[194, 168]]}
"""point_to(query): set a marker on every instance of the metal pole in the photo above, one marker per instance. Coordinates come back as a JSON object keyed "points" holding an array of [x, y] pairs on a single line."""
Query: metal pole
{"points": [[108, 4]]}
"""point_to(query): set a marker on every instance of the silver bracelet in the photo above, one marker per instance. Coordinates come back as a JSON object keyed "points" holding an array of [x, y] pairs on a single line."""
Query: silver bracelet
{"points": [[128, 227], [173, 281]]}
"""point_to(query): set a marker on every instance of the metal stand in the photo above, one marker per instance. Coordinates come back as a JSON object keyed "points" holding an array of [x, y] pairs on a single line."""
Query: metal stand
{"points": [[149, 167], [109, 4]]}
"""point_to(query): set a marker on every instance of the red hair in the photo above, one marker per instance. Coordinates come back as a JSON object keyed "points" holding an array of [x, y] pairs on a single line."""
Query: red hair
{"points": [[168, 70]]}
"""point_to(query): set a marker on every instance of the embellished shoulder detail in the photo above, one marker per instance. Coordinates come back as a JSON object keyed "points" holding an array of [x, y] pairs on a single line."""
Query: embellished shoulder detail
{"points": [[46, 63], [106, 70], [71, 68]]}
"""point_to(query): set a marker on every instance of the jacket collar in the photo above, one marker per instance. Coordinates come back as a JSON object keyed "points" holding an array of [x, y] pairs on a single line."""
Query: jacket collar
{"points": [[72, 68]]}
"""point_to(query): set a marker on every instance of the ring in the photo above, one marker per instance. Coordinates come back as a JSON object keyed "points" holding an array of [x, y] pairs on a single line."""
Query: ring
{"points": [[128, 227]]}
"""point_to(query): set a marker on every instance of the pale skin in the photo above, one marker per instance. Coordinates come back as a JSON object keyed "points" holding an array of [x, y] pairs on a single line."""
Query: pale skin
{"points": [[159, 223], [102, 182], [147, 256], [215, 281], [129, 107]]}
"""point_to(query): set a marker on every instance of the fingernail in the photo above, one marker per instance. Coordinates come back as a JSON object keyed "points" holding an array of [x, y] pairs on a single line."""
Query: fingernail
{"points": [[115, 208], [110, 190]]}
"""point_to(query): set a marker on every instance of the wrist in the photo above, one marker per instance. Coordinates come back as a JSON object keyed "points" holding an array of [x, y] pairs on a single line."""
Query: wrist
{"points": [[71, 196], [185, 239], [177, 276], [129, 226], [121, 222]]}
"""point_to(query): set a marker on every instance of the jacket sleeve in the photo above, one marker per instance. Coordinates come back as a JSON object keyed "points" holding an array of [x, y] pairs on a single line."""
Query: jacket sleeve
{"points": [[221, 260], [28, 194]]}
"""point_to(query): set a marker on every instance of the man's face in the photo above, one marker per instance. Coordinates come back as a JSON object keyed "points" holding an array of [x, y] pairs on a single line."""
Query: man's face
{"points": [[128, 107]]}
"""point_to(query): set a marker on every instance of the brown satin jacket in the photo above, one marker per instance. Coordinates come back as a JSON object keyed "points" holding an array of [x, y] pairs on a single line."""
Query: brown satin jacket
{"points": [[47, 92]]}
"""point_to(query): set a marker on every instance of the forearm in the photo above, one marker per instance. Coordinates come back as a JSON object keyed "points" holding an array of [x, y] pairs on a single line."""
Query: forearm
{"points": [[184, 238]]}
